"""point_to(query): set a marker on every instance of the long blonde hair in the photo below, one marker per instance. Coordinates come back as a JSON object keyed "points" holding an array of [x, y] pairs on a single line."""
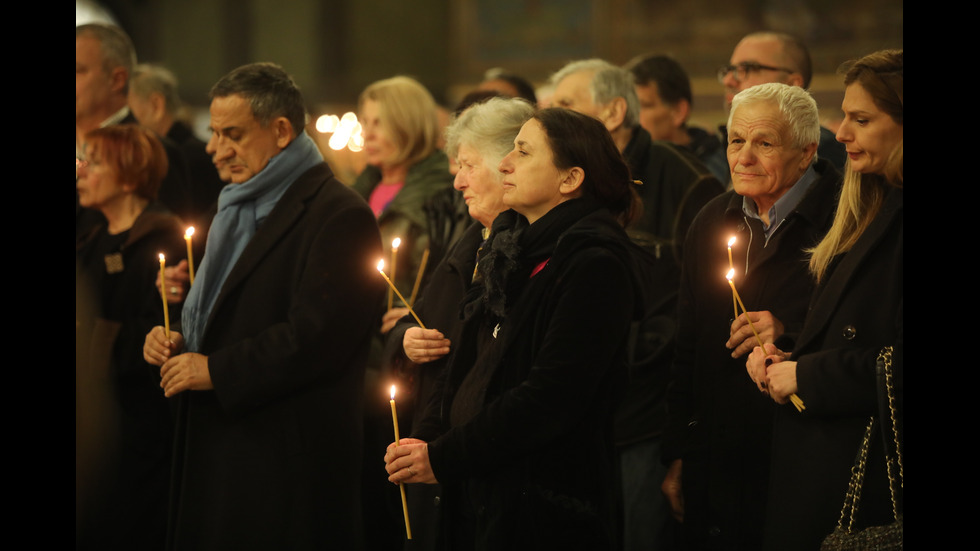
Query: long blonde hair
{"points": [[881, 74]]}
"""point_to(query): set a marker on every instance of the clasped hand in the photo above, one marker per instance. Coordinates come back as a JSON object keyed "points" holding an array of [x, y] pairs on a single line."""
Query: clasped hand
{"points": [[178, 372], [772, 373]]}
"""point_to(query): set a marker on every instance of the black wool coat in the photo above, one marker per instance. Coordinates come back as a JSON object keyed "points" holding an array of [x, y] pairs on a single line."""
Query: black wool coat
{"points": [[855, 312], [535, 463], [271, 457]]}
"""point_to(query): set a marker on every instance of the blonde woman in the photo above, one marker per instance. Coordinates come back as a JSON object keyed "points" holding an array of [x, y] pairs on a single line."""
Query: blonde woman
{"points": [[856, 310], [405, 168]]}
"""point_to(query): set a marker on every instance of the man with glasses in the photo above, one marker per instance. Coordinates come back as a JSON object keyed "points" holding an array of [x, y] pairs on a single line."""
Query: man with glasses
{"points": [[764, 57]]}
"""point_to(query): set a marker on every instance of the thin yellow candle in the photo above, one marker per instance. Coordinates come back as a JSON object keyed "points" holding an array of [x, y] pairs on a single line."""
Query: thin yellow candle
{"points": [[188, 234], [163, 295], [394, 254], [731, 266], [418, 277], [731, 274], [797, 401], [391, 286], [401, 487]]}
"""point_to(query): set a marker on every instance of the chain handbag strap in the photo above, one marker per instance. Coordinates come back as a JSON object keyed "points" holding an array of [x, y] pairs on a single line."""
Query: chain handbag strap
{"points": [[852, 498], [892, 462]]}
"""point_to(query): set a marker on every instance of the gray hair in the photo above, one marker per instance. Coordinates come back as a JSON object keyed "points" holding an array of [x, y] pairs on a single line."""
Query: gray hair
{"points": [[269, 89], [115, 45], [489, 127], [608, 83], [149, 79], [796, 105]]}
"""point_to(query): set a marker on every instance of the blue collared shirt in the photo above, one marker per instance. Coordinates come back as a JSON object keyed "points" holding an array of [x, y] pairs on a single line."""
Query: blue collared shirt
{"points": [[784, 205]]}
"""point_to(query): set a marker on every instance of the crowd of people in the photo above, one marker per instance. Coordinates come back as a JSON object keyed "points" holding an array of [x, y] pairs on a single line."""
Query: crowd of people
{"points": [[573, 368]]}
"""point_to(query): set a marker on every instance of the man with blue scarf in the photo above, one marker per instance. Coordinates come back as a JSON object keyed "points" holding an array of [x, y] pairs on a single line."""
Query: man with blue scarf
{"points": [[267, 366]]}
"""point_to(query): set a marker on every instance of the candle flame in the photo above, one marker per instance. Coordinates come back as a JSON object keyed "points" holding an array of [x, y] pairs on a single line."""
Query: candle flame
{"points": [[731, 241], [731, 274], [396, 242], [392, 392], [162, 259], [189, 232], [381, 265]]}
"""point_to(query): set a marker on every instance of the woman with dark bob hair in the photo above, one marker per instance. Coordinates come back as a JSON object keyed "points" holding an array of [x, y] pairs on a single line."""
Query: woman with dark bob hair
{"points": [[123, 489], [855, 312], [520, 430]]}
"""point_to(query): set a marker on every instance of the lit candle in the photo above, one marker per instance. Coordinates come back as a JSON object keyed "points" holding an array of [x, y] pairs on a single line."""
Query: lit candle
{"points": [[731, 267], [418, 277], [394, 254], [190, 253], [797, 401], [731, 274], [391, 286], [163, 295], [401, 487]]}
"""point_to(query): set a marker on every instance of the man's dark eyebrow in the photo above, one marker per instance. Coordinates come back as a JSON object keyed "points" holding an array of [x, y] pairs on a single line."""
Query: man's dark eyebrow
{"points": [[224, 130]]}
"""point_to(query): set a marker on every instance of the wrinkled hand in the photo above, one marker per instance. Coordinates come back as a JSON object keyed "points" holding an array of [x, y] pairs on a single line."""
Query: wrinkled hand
{"points": [[757, 363], [177, 282], [409, 462], [391, 317], [424, 345], [782, 381], [742, 339], [185, 372], [157, 349], [671, 487]]}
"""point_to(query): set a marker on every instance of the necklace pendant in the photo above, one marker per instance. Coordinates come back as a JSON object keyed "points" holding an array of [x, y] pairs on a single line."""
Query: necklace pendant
{"points": [[114, 263]]}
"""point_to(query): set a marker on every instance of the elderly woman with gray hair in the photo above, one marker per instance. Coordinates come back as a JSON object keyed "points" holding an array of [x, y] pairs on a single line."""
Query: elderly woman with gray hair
{"points": [[478, 139]]}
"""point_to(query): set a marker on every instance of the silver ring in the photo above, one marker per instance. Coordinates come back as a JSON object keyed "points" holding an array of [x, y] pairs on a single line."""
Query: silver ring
{"points": [[173, 291]]}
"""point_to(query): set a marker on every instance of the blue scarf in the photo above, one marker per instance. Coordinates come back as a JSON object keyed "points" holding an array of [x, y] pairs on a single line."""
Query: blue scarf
{"points": [[241, 209]]}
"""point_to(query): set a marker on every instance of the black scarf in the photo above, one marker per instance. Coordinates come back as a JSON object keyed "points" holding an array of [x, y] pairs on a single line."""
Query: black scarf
{"points": [[514, 249]]}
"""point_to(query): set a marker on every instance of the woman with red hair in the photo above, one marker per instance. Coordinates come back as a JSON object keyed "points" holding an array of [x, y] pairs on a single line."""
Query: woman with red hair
{"points": [[123, 423]]}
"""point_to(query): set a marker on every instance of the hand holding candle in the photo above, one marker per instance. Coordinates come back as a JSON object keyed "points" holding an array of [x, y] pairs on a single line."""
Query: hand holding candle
{"points": [[163, 295], [797, 401], [401, 486], [188, 235], [391, 287]]}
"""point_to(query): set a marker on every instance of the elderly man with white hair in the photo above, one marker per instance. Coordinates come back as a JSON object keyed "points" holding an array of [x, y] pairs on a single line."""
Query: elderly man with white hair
{"points": [[717, 442]]}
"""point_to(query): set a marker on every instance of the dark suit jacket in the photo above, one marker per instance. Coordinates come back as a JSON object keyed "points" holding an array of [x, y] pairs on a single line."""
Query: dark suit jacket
{"points": [[271, 457], [856, 312]]}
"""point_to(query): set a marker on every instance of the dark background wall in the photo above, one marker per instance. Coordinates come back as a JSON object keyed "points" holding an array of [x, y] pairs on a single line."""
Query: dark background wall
{"points": [[334, 48]]}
